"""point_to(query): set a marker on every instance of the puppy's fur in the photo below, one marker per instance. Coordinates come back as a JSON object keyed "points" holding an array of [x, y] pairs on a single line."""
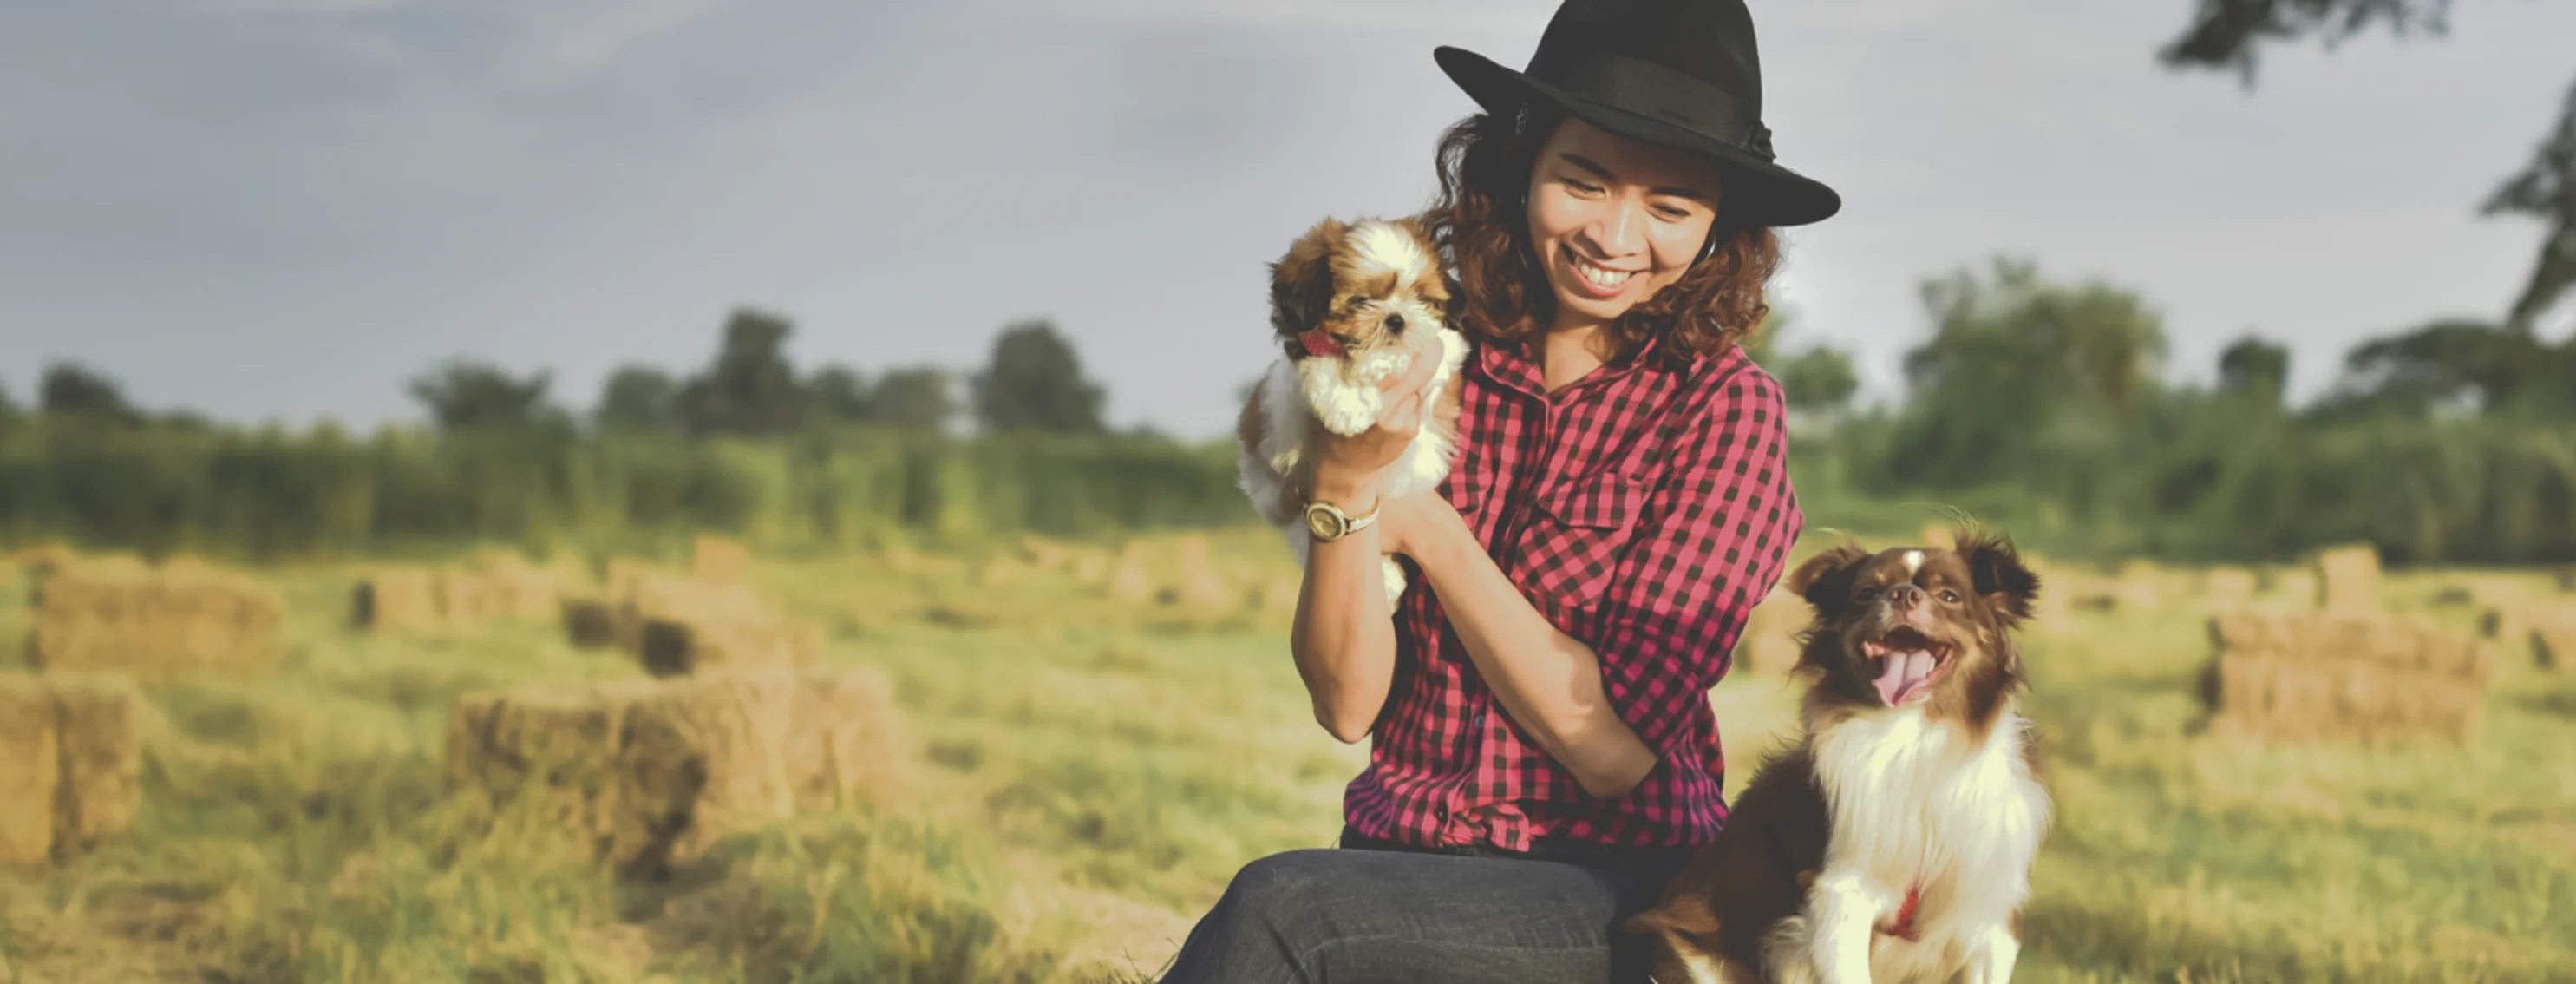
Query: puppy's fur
{"points": [[1351, 305], [1895, 841]]}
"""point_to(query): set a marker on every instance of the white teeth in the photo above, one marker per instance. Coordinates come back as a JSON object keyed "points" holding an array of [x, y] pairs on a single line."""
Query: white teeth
{"points": [[1599, 276]]}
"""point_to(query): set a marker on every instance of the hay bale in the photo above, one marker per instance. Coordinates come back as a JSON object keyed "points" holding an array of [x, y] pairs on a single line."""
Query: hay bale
{"points": [[558, 744], [699, 642], [1769, 643], [1043, 553], [1131, 581], [120, 616], [394, 599], [589, 623], [1090, 567], [845, 748], [719, 559], [2227, 586], [2348, 578], [656, 771], [30, 770], [2346, 675], [2550, 630], [1199, 585], [703, 758], [99, 725]]}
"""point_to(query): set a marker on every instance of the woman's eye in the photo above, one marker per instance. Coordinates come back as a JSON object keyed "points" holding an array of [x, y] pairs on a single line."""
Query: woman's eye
{"points": [[1675, 214], [1588, 189]]}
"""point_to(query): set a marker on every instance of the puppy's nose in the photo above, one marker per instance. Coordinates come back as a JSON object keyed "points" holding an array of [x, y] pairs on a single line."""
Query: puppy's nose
{"points": [[1904, 596], [1395, 323]]}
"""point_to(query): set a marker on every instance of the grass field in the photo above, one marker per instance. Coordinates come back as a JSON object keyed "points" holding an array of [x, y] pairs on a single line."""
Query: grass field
{"points": [[1082, 776]]}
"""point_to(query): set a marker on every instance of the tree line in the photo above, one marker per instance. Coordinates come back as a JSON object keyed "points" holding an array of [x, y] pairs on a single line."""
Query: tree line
{"points": [[750, 388]]}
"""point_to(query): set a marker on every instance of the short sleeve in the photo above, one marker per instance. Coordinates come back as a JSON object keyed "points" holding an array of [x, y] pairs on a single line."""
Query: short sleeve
{"points": [[1712, 540]]}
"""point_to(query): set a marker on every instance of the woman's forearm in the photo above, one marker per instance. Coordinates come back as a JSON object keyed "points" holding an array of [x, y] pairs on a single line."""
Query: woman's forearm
{"points": [[1344, 636], [1549, 682]]}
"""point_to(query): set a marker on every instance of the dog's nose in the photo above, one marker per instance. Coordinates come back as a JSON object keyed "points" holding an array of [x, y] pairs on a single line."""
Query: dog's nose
{"points": [[1395, 322], [1904, 596]]}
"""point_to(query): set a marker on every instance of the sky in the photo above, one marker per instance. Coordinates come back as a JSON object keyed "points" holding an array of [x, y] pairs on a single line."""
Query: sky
{"points": [[283, 210]]}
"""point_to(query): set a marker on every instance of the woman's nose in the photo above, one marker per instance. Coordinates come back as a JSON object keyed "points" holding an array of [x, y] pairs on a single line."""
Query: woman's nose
{"points": [[1620, 230]]}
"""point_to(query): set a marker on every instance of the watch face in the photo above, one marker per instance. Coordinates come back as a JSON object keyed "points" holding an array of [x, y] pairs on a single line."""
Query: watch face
{"points": [[1322, 523]]}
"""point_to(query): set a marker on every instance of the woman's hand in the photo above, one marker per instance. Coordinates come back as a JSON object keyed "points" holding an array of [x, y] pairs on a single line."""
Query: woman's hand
{"points": [[1346, 469], [1407, 524]]}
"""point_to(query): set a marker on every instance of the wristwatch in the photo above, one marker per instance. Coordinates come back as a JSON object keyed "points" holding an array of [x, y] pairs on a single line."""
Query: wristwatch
{"points": [[1329, 523]]}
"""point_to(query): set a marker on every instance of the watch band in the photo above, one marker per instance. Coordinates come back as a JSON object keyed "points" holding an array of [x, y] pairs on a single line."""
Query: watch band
{"points": [[1327, 522]]}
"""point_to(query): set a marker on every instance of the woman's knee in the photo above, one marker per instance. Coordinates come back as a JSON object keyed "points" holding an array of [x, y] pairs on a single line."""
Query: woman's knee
{"points": [[1279, 889]]}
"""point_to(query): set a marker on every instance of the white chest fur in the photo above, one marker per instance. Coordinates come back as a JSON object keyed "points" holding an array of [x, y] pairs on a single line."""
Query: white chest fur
{"points": [[1918, 805]]}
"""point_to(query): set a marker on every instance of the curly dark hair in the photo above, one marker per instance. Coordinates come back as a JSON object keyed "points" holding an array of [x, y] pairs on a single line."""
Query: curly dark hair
{"points": [[1503, 295]]}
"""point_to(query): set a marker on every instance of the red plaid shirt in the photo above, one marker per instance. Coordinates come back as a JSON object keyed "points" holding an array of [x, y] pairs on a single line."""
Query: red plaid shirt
{"points": [[1644, 511]]}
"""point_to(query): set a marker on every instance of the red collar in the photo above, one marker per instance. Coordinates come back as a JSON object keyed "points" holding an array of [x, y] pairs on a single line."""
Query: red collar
{"points": [[1319, 342], [1902, 926]]}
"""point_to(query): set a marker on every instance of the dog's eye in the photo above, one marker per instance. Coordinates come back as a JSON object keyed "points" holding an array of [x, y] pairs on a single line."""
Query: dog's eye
{"points": [[1867, 594], [1949, 597]]}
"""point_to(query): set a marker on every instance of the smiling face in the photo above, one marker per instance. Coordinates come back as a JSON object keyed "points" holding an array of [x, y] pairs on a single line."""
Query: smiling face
{"points": [[1916, 626], [1614, 220]]}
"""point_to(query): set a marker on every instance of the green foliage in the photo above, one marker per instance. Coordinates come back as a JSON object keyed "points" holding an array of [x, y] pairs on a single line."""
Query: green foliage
{"points": [[2020, 371], [72, 390], [2546, 190], [917, 398], [638, 399], [837, 395], [750, 390], [270, 493], [463, 394], [1035, 383], [2255, 368]]}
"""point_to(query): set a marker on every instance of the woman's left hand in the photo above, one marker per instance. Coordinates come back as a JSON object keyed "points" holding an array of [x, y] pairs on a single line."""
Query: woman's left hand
{"points": [[1406, 523]]}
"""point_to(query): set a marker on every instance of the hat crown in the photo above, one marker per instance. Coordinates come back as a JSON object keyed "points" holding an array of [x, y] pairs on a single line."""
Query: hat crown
{"points": [[1693, 62]]}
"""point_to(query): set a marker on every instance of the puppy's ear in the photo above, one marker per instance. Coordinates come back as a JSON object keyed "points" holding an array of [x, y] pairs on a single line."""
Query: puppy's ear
{"points": [[1825, 579], [1996, 569], [1301, 283]]}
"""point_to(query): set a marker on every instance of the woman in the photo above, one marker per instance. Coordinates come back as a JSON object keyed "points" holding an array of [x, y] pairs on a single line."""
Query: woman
{"points": [[1543, 754]]}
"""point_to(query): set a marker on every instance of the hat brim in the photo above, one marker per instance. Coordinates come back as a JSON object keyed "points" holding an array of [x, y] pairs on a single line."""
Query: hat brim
{"points": [[1758, 192]]}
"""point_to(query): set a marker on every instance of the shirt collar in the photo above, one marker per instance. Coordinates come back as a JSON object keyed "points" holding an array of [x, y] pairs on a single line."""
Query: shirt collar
{"points": [[1509, 364]]}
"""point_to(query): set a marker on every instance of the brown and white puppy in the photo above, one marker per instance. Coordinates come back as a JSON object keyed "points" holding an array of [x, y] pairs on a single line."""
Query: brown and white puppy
{"points": [[1351, 305], [1894, 842]]}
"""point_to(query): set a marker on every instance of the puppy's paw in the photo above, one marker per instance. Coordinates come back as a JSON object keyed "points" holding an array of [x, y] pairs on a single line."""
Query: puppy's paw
{"points": [[1394, 575]]}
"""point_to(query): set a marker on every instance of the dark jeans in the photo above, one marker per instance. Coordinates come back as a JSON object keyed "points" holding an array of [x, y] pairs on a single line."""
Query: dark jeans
{"points": [[1379, 911]]}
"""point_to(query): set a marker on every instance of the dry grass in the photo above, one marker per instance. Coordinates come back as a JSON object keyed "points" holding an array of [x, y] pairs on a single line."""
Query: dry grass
{"points": [[1083, 767]]}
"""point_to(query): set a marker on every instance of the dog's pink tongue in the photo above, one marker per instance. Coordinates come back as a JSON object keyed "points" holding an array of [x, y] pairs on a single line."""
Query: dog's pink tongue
{"points": [[1904, 676]]}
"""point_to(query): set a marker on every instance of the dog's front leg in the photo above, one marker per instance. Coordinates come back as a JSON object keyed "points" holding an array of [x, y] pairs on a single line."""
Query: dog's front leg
{"points": [[1844, 910], [1992, 957]]}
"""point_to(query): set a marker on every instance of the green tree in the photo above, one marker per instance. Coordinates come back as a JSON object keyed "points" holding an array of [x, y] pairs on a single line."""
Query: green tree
{"points": [[1818, 379], [2226, 34], [2017, 366], [71, 390], [838, 394], [2459, 362], [463, 394], [1035, 382], [2545, 190], [2254, 367], [917, 398], [638, 398], [751, 388]]}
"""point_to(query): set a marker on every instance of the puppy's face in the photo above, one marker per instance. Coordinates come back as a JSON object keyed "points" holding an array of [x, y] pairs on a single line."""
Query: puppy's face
{"points": [[1344, 289], [1915, 626]]}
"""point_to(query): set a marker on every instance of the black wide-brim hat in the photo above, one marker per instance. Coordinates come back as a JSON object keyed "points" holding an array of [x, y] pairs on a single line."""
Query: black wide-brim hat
{"points": [[1683, 74]]}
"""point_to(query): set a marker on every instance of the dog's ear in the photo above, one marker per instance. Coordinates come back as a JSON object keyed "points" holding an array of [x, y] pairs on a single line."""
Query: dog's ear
{"points": [[1996, 570], [1825, 580], [1301, 283]]}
